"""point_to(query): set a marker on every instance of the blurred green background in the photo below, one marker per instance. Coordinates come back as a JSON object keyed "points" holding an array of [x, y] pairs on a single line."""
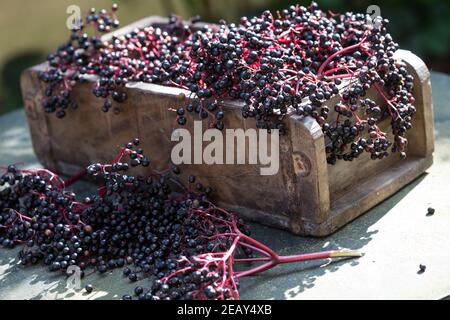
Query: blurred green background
{"points": [[29, 30]]}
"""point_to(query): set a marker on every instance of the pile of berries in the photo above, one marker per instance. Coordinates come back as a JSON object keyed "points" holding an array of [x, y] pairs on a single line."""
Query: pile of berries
{"points": [[288, 63], [152, 226]]}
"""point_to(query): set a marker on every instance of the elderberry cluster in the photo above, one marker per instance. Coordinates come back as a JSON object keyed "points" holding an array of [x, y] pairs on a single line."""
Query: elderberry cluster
{"points": [[152, 226], [74, 60], [134, 222], [289, 63]]}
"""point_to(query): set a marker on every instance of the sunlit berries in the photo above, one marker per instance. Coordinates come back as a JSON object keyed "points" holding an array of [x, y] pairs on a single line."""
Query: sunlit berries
{"points": [[276, 64]]}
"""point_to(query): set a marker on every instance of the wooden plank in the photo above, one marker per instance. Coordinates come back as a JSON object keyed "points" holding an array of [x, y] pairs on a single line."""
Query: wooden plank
{"points": [[422, 134], [371, 192], [346, 175], [311, 169], [32, 92], [152, 108]]}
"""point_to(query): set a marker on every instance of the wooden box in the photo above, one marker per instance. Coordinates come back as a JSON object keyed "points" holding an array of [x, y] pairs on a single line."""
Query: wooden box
{"points": [[307, 196]]}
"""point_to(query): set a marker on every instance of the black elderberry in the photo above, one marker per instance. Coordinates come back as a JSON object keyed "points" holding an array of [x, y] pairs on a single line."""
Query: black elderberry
{"points": [[181, 111], [102, 268], [219, 125], [219, 115], [422, 269], [190, 108], [126, 272], [89, 288], [133, 277], [176, 170], [182, 121], [138, 291]]}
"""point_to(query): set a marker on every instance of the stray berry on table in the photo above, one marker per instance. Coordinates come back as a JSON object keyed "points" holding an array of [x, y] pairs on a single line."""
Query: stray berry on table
{"points": [[89, 288], [422, 268]]}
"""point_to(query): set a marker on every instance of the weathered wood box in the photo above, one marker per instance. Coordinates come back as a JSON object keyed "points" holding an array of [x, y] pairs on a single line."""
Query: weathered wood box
{"points": [[307, 196]]}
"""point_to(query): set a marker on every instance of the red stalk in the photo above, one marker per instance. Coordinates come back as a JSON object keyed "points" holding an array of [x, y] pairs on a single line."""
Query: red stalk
{"points": [[75, 178], [277, 260], [341, 52], [298, 258]]}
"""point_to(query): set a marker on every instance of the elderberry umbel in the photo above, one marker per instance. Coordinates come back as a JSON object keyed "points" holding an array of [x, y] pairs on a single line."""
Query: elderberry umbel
{"points": [[152, 226], [290, 62]]}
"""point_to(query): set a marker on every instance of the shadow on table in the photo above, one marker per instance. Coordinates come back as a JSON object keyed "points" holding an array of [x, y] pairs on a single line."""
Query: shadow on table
{"points": [[288, 281], [37, 283]]}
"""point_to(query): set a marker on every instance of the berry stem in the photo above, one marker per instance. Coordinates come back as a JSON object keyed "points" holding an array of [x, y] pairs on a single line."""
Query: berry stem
{"points": [[277, 260], [74, 179], [341, 52]]}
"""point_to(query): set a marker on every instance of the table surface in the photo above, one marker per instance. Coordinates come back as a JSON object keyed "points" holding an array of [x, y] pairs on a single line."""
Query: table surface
{"points": [[395, 237]]}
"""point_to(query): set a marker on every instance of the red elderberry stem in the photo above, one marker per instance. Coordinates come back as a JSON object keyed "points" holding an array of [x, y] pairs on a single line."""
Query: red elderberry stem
{"points": [[341, 52], [259, 245], [346, 68], [340, 76], [254, 248], [297, 258], [75, 178], [22, 216], [388, 102], [251, 259]]}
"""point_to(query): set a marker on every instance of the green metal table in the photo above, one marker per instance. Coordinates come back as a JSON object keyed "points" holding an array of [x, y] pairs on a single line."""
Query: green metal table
{"points": [[395, 237]]}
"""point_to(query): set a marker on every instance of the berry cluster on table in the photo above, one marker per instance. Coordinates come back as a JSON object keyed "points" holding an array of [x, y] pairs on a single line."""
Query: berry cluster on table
{"points": [[150, 225]]}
